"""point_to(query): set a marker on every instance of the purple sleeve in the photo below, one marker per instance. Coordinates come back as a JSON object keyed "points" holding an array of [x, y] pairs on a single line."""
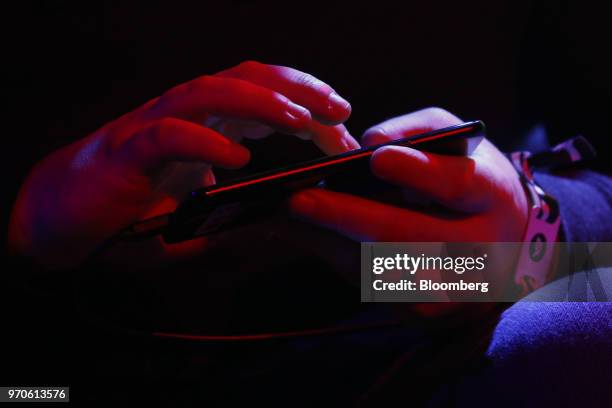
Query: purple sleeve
{"points": [[585, 200]]}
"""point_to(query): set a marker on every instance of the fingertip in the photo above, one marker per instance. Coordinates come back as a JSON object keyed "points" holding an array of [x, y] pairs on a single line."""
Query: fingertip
{"points": [[349, 142], [380, 163], [393, 152], [332, 140], [304, 203], [388, 160], [338, 107], [244, 155], [344, 143], [374, 136], [239, 156]]}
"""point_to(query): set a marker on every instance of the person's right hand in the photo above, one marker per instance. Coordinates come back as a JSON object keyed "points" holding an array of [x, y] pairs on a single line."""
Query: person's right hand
{"points": [[142, 163]]}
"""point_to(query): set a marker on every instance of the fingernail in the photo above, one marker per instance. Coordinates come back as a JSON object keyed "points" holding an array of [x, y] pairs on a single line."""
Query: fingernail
{"points": [[239, 155], [304, 204], [376, 131], [297, 112], [374, 136], [335, 101], [348, 142]]}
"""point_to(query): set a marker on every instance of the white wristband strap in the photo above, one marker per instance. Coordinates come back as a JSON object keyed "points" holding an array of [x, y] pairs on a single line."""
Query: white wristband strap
{"points": [[534, 264], [543, 224]]}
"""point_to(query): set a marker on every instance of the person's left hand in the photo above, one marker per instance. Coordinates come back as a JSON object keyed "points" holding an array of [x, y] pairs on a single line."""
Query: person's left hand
{"points": [[476, 199], [441, 199]]}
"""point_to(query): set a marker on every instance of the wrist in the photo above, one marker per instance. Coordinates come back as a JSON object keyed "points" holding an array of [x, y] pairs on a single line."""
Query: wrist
{"points": [[537, 260], [533, 267]]}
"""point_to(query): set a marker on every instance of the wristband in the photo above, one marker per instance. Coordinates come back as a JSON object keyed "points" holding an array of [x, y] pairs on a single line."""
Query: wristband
{"points": [[533, 267]]}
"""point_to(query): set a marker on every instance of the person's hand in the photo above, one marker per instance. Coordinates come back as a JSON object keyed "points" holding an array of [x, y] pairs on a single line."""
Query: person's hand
{"points": [[142, 163], [447, 198], [441, 199]]}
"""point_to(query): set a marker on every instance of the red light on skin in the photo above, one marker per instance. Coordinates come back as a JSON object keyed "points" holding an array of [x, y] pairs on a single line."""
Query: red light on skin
{"points": [[287, 173], [327, 163]]}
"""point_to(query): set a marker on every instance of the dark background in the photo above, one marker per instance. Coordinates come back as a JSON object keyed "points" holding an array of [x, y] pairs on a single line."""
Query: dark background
{"points": [[77, 65]]}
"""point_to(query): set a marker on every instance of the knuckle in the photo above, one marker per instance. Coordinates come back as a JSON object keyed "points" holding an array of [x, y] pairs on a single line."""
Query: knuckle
{"points": [[163, 101], [250, 66], [309, 81], [204, 82], [440, 115], [187, 88], [157, 131], [305, 79], [436, 111], [231, 86]]}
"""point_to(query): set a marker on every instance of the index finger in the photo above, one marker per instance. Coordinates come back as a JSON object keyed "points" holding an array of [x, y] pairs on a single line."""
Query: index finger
{"points": [[319, 98], [362, 219]]}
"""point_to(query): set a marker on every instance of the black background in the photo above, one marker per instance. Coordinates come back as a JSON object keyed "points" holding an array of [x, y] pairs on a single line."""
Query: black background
{"points": [[77, 65]]}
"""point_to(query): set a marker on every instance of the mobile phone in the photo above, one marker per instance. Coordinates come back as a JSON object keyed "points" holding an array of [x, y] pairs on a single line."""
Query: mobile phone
{"points": [[226, 205]]}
